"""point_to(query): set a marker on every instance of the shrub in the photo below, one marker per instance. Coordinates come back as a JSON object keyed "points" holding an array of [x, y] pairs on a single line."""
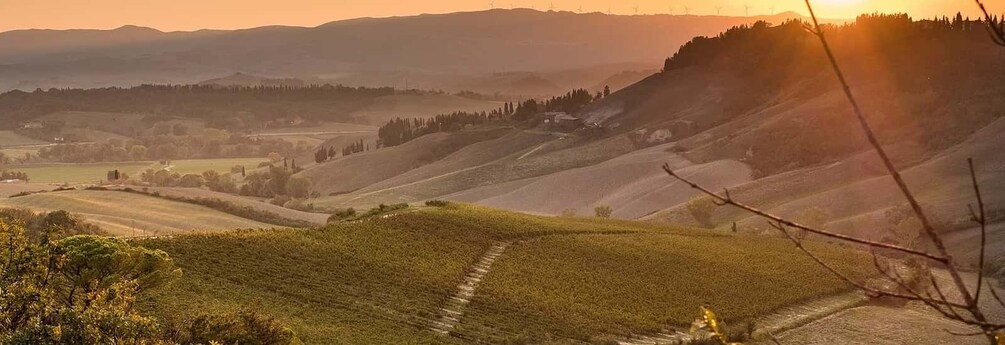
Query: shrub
{"points": [[280, 200], [603, 211], [702, 209], [437, 203], [345, 213], [299, 205], [191, 181], [569, 212], [814, 217], [244, 327]]}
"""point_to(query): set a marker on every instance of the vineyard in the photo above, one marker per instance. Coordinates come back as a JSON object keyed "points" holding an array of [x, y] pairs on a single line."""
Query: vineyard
{"points": [[384, 280], [581, 287]]}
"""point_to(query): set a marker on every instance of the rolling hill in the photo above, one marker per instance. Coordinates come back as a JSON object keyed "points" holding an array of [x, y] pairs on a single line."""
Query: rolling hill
{"points": [[129, 214], [433, 51], [389, 280], [777, 134]]}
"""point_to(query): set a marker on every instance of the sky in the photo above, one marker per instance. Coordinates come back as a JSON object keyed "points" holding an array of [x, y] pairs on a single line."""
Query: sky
{"points": [[187, 15]]}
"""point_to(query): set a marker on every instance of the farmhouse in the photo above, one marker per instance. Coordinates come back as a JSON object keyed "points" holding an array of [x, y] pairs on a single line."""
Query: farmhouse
{"points": [[32, 125], [563, 120]]}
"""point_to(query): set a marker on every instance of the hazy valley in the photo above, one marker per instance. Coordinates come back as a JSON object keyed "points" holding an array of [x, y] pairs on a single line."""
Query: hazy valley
{"points": [[498, 177]]}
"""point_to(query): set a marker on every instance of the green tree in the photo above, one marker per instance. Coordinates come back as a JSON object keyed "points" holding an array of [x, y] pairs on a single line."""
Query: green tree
{"points": [[603, 211], [78, 290], [191, 181], [702, 209], [298, 187]]}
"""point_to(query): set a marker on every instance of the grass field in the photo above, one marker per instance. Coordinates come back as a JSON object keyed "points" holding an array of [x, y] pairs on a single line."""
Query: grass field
{"points": [[127, 214], [122, 123], [19, 153], [9, 138], [95, 172], [582, 286], [77, 173], [382, 281], [223, 165]]}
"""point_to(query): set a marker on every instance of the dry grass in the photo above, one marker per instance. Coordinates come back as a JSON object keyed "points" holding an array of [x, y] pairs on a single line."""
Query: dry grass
{"points": [[128, 214]]}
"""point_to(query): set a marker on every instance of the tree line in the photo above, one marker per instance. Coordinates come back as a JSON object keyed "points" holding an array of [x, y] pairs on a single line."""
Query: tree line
{"points": [[221, 107], [399, 131], [570, 103]]}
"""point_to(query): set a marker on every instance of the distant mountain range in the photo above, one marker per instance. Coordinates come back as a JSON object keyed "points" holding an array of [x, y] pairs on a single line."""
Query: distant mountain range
{"points": [[508, 51]]}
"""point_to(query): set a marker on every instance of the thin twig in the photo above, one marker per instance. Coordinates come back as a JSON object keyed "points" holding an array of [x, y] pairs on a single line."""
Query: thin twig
{"points": [[870, 291], [894, 173], [994, 294], [997, 32], [980, 219], [780, 220]]}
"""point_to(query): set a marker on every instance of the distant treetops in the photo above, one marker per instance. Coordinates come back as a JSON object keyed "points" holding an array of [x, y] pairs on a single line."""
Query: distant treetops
{"points": [[399, 131]]}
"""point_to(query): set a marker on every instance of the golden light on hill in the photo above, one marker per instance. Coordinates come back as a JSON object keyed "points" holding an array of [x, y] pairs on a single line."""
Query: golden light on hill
{"points": [[172, 15]]}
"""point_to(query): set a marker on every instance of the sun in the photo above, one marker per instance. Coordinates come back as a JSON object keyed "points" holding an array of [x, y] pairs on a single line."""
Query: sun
{"points": [[840, 2]]}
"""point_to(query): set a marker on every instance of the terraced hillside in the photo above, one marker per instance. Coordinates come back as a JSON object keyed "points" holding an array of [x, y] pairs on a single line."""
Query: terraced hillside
{"points": [[389, 280]]}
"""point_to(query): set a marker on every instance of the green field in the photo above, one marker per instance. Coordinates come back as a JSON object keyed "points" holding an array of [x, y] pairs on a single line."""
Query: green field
{"points": [[9, 138], [127, 214], [19, 153], [383, 281], [77, 173], [96, 172], [582, 286], [223, 165]]}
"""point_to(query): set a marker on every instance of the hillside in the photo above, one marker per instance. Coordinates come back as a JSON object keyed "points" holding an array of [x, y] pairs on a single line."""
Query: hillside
{"points": [[349, 173], [772, 132], [385, 280], [435, 51], [129, 214]]}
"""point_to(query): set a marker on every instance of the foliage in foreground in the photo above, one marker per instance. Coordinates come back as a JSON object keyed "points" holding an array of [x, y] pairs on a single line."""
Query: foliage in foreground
{"points": [[82, 289], [76, 290]]}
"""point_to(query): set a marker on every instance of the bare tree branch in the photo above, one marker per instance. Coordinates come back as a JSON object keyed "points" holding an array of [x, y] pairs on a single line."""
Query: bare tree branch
{"points": [[730, 201], [997, 32], [868, 290], [995, 295], [980, 219], [926, 224]]}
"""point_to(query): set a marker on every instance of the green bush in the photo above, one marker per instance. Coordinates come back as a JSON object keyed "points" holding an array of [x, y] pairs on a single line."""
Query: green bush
{"points": [[702, 209], [603, 211], [342, 214], [437, 203], [244, 327]]}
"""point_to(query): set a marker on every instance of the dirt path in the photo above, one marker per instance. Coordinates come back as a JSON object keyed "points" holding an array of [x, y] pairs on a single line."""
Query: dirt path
{"points": [[532, 151], [453, 310], [779, 321]]}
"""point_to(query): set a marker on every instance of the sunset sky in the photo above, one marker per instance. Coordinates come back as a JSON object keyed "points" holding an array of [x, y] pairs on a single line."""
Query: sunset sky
{"points": [[173, 15]]}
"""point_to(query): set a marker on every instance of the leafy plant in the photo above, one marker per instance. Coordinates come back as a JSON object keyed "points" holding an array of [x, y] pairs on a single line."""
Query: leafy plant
{"points": [[702, 209], [603, 211]]}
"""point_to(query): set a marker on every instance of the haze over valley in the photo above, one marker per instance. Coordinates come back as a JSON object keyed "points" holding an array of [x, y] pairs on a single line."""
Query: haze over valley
{"points": [[507, 176]]}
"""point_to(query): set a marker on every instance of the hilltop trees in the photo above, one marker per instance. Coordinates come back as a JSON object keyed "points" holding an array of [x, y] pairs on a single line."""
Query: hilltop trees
{"points": [[399, 131]]}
